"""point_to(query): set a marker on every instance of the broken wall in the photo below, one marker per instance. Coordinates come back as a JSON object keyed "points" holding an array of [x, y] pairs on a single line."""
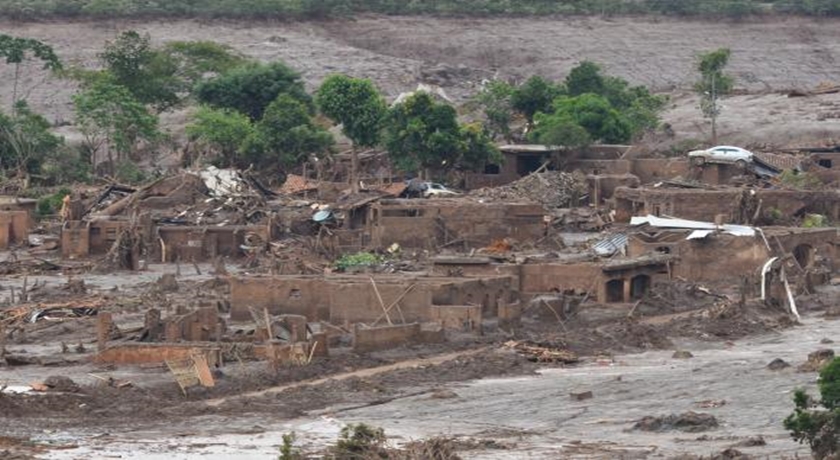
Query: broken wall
{"points": [[706, 205], [430, 223], [75, 240], [204, 243], [385, 337], [650, 170], [14, 228], [351, 299], [720, 258]]}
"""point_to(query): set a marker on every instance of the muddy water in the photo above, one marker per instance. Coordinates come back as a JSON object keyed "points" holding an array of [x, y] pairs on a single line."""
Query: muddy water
{"points": [[534, 415]]}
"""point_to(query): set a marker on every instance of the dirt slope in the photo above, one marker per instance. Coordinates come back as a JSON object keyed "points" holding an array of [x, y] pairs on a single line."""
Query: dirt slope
{"points": [[399, 52]]}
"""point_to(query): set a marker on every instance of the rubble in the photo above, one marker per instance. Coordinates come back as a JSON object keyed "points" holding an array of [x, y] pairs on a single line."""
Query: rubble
{"points": [[689, 422], [817, 360], [543, 353], [552, 189]]}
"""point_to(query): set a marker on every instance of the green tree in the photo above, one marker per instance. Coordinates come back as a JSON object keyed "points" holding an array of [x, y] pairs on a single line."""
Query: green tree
{"points": [[820, 428], [197, 59], [25, 141], [560, 131], [596, 115], [285, 136], [149, 74], [222, 131], [496, 100], [421, 133], [713, 84], [535, 95], [15, 51], [357, 106], [477, 148], [585, 78], [640, 107], [109, 116], [251, 88]]}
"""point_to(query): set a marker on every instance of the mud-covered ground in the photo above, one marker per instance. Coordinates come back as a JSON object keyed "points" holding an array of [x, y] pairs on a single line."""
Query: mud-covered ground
{"points": [[252, 404], [399, 52]]}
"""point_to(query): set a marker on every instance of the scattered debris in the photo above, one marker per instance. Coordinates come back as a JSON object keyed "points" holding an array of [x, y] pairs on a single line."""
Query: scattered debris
{"points": [[817, 360], [710, 403], [543, 353], [755, 441], [778, 364], [690, 422], [552, 189], [581, 396]]}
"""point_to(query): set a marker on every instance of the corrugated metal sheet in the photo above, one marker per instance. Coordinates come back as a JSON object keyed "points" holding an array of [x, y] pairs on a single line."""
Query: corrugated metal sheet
{"points": [[611, 244], [668, 222]]}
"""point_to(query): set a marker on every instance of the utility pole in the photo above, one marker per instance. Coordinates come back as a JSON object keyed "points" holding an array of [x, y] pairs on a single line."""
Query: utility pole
{"points": [[714, 111]]}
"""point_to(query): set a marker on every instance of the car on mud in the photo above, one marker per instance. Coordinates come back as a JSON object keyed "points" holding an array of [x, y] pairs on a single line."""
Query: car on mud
{"points": [[432, 190], [418, 188], [722, 154]]}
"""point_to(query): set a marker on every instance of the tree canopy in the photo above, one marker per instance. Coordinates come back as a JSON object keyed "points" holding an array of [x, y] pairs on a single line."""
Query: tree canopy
{"points": [[819, 427], [222, 131], [421, 133], [356, 105], [535, 95], [285, 136], [25, 140], [148, 74], [249, 89], [110, 116], [496, 101]]}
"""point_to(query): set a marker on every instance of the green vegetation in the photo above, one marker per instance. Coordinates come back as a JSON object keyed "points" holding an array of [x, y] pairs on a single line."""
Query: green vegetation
{"points": [[285, 136], [588, 107], [111, 118], [297, 9], [15, 51], [815, 221], [799, 180], [221, 133], [713, 84], [360, 259], [496, 100], [423, 134], [819, 426], [288, 451], [51, 204], [249, 89], [25, 141], [358, 107]]}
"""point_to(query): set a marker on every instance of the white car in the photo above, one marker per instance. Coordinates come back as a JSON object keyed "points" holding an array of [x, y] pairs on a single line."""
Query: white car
{"points": [[431, 189], [722, 154]]}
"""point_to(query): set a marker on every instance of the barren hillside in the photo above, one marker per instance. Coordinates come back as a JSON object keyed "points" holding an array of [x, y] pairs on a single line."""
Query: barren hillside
{"points": [[399, 52]]}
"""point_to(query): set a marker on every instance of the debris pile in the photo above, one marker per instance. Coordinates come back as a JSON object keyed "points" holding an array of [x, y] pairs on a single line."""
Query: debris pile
{"points": [[552, 189], [54, 311], [689, 422], [542, 353]]}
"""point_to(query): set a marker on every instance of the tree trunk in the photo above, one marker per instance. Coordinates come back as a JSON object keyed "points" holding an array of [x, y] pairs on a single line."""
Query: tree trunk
{"points": [[354, 170], [14, 89]]}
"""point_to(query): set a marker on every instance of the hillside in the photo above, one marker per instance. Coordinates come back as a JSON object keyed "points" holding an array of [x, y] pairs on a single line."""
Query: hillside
{"points": [[398, 52]]}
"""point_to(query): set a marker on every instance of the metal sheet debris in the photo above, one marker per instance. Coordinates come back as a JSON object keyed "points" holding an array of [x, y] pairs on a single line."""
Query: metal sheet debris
{"points": [[705, 228]]}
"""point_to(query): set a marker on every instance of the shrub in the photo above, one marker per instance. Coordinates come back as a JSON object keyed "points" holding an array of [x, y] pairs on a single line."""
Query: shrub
{"points": [[360, 259], [359, 441], [51, 204], [819, 427], [800, 180]]}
